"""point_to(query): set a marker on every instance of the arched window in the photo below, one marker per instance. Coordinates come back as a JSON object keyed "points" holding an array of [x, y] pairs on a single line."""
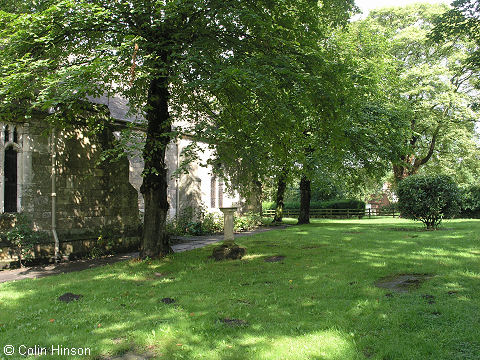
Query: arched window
{"points": [[15, 135], [6, 134], [10, 188]]}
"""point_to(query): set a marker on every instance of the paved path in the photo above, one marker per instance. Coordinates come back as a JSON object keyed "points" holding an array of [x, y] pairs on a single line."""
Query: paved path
{"points": [[187, 243], [194, 242]]}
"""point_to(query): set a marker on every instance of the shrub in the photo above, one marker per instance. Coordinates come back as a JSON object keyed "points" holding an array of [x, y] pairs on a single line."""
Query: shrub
{"points": [[105, 244], [20, 237], [7, 221], [269, 205], [389, 209], [247, 221], [195, 221], [188, 219], [429, 199], [212, 223]]}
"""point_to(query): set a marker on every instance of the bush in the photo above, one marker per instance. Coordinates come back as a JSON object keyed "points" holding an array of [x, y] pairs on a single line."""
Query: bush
{"points": [[7, 222], [204, 223], [429, 199], [106, 241], [247, 221], [269, 205], [470, 202], [389, 209], [212, 223], [195, 221], [17, 231], [188, 221]]}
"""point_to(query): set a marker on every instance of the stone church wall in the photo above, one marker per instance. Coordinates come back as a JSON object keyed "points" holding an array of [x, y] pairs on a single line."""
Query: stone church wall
{"points": [[90, 194]]}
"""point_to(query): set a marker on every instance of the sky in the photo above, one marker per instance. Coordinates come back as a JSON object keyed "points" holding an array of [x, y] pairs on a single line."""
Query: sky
{"points": [[366, 5]]}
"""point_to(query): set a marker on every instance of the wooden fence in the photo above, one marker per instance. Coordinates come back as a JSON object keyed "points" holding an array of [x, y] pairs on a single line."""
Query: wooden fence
{"points": [[334, 213]]}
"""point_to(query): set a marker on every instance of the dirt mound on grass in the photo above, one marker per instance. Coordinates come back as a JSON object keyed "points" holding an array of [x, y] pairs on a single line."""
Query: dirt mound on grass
{"points": [[228, 251], [68, 297], [402, 282], [276, 258], [168, 300], [234, 322]]}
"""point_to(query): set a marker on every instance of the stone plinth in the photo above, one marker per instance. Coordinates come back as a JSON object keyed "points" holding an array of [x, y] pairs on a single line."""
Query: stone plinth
{"points": [[228, 222]]}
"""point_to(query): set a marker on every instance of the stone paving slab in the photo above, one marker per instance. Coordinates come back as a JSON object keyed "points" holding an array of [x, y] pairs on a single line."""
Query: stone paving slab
{"points": [[188, 243]]}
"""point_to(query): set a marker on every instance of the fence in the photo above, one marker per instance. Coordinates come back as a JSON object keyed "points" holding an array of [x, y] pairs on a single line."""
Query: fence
{"points": [[335, 213]]}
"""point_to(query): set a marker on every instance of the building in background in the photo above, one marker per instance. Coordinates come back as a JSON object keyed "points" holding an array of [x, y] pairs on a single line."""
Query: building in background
{"points": [[91, 194]]}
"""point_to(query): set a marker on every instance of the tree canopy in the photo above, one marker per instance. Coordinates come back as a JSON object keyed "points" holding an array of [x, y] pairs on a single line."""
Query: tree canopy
{"points": [[192, 61], [461, 20], [432, 87]]}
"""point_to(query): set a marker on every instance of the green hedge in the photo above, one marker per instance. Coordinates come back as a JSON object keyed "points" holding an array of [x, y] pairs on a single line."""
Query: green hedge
{"points": [[332, 204]]}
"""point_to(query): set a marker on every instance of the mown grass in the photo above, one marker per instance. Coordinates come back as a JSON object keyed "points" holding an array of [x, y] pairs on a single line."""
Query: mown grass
{"points": [[320, 302]]}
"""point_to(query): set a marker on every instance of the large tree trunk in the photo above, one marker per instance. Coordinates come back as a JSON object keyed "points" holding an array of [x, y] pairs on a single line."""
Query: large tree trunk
{"points": [[155, 240], [400, 172], [281, 187], [258, 197], [305, 195], [408, 167]]}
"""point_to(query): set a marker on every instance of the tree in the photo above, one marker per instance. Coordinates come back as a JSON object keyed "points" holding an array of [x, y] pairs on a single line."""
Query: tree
{"points": [[432, 86], [429, 199], [462, 20], [353, 135], [191, 60]]}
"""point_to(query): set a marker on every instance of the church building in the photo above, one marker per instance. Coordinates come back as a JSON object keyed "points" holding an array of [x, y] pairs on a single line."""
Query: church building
{"points": [[58, 181]]}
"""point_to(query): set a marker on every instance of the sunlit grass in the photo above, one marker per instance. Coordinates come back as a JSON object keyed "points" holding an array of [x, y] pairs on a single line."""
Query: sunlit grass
{"points": [[320, 302]]}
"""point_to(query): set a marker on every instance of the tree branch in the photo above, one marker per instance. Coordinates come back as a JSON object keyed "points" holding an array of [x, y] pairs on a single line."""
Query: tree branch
{"points": [[417, 163]]}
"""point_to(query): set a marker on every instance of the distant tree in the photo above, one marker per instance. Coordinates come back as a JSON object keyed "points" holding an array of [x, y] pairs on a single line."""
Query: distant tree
{"points": [[470, 202], [357, 136], [432, 87]]}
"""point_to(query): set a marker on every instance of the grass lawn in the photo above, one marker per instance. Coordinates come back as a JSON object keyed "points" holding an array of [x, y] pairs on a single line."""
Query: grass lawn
{"points": [[320, 302]]}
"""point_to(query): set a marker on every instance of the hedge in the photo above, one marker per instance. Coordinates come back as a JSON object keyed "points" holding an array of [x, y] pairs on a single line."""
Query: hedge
{"points": [[332, 204]]}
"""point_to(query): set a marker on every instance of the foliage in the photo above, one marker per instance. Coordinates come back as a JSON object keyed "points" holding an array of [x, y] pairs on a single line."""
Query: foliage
{"points": [[187, 222], [462, 20], [195, 221], [470, 202], [247, 221], [205, 65], [21, 238], [198, 221], [7, 221], [431, 87], [323, 125], [105, 243], [212, 223], [333, 204], [390, 208], [322, 189], [428, 199]]}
